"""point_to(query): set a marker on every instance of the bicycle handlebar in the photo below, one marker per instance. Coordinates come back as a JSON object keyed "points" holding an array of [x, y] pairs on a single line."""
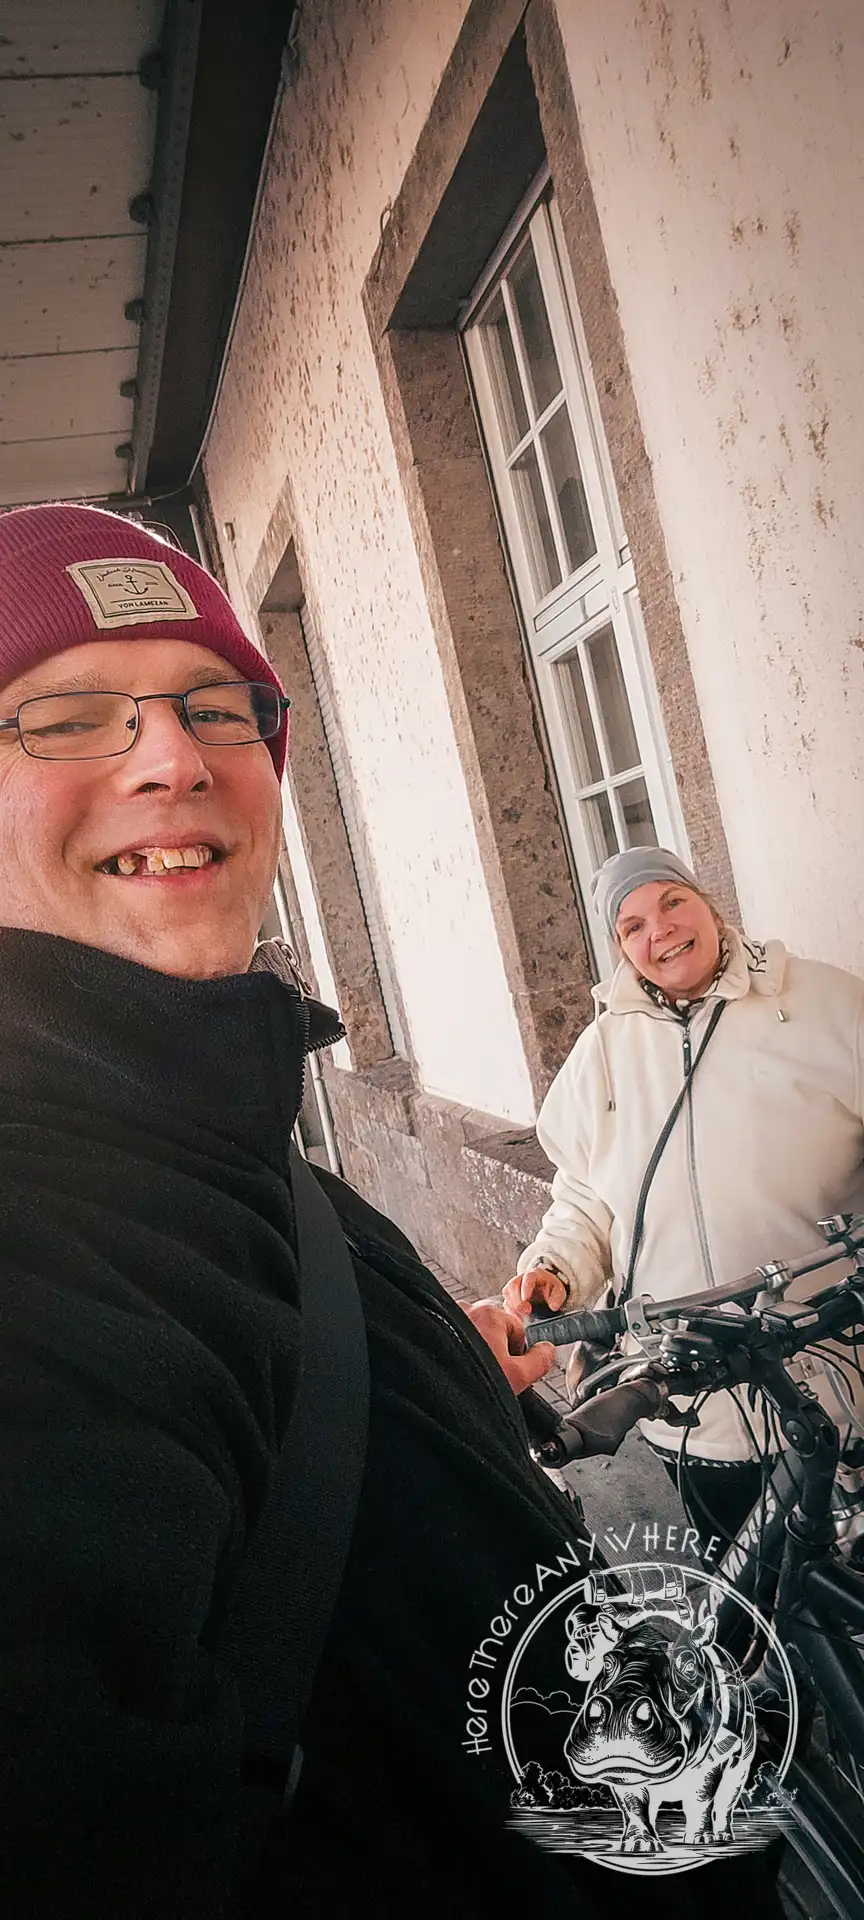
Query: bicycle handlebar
{"points": [[600, 1327], [701, 1350]]}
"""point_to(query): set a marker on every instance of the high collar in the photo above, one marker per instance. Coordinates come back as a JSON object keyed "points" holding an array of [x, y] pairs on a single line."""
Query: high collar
{"points": [[752, 968], [86, 1032]]}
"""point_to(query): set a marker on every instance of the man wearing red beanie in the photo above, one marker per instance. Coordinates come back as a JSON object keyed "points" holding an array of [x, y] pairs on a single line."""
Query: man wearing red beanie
{"points": [[156, 1356], [95, 611]]}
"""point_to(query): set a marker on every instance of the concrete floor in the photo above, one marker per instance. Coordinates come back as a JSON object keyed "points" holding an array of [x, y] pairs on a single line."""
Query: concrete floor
{"points": [[631, 1485]]}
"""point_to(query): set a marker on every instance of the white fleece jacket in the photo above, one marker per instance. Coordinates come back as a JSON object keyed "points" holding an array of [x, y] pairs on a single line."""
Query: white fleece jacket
{"points": [[774, 1142]]}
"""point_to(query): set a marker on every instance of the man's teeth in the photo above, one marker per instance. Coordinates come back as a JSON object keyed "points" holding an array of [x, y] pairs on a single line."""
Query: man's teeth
{"points": [[162, 859]]}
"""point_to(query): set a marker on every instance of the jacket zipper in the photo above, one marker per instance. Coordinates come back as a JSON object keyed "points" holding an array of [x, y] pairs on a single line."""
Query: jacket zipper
{"points": [[701, 1226], [311, 1046], [306, 1050]]}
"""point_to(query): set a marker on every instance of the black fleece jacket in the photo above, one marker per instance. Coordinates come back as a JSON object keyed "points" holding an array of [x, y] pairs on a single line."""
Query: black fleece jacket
{"points": [[148, 1359]]}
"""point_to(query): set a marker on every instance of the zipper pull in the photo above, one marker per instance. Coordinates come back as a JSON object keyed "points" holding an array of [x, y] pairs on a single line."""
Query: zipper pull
{"points": [[276, 956]]}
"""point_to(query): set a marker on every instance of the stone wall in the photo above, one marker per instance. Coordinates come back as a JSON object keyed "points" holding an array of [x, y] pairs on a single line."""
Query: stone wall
{"points": [[469, 1198]]}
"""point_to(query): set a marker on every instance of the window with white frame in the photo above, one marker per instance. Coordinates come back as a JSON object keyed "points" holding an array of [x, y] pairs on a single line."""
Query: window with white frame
{"points": [[568, 550]]}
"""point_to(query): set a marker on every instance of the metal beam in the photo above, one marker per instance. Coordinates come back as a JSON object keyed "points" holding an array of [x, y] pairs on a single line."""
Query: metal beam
{"points": [[180, 40]]}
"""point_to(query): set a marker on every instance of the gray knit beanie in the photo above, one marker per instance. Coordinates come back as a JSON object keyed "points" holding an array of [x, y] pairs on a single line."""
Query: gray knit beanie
{"points": [[636, 868]]}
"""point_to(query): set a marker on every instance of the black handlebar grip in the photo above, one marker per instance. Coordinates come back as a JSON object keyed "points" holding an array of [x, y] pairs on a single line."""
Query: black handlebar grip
{"points": [[599, 1329], [539, 1415], [601, 1426]]}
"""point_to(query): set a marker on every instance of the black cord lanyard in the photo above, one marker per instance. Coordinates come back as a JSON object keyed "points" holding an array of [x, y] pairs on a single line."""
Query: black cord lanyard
{"points": [[659, 1148]]}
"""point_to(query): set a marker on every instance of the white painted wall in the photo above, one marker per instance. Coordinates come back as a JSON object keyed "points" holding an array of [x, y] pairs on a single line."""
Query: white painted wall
{"points": [[302, 396], [724, 143]]}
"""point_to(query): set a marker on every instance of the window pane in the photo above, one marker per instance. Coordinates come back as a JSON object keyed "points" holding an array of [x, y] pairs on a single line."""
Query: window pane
{"points": [[601, 827], [530, 306], [613, 703], [534, 520], [638, 818], [587, 753], [504, 375], [567, 481]]}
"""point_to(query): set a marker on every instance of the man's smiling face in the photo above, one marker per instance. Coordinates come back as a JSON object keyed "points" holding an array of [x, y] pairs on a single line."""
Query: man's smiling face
{"points": [[61, 820]]}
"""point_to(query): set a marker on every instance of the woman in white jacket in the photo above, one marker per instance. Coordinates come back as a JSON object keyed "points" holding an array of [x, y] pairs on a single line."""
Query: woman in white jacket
{"points": [[768, 1141]]}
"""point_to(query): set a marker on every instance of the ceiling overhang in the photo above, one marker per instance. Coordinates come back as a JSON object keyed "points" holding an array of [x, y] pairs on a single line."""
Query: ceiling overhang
{"points": [[133, 134]]}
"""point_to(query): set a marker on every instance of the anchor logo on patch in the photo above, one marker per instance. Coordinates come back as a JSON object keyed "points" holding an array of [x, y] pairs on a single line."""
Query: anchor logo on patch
{"points": [[125, 593]]}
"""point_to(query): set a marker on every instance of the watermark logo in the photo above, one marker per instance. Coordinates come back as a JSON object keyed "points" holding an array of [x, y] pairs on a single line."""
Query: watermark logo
{"points": [[631, 1732]]}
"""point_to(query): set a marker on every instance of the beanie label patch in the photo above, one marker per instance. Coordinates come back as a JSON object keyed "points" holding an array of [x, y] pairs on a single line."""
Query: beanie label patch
{"points": [[125, 593]]}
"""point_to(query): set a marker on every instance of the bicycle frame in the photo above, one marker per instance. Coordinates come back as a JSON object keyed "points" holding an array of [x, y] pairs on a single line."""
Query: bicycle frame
{"points": [[817, 1605], [785, 1561], [824, 1653]]}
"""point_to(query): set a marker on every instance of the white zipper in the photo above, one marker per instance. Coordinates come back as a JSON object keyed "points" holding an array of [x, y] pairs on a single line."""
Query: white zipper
{"points": [[701, 1226]]}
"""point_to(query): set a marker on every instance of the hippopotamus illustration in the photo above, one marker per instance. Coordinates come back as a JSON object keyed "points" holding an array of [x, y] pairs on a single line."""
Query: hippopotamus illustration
{"points": [[596, 1624], [666, 1716]]}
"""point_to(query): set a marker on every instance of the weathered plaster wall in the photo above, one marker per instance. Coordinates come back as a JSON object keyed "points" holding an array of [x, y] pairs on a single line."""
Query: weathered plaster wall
{"points": [[302, 397], [724, 144], [340, 1054]]}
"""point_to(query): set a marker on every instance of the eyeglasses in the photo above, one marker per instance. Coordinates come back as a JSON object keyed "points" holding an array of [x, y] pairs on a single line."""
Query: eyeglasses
{"points": [[96, 726]]}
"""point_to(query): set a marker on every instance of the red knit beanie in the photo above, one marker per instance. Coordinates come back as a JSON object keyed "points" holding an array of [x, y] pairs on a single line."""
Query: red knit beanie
{"points": [[73, 574]]}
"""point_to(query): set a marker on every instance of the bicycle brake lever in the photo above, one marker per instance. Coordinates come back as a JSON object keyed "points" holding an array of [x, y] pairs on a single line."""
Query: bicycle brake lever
{"points": [[673, 1416]]}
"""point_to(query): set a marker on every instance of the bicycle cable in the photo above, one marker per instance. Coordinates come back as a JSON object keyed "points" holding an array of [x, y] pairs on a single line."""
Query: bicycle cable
{"points": [[768, 1461], [731, 1540], [687, 1495], [835, 1359], [832, 1366], [766, 1566]]}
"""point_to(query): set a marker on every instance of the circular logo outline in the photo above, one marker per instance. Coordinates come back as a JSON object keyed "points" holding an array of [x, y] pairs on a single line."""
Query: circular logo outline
{"points": [[712, 1582]]}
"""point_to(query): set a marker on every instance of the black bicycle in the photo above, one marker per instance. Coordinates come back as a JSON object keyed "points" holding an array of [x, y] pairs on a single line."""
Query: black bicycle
{"points": [[786, 1561]]}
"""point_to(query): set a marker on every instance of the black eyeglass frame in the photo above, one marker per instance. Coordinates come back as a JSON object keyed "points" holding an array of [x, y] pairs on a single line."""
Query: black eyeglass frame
{"points": [[180, 699]]}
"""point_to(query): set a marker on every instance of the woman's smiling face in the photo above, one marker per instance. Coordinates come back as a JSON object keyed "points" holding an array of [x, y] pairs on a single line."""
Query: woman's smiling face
{"points": [[671, 936]]}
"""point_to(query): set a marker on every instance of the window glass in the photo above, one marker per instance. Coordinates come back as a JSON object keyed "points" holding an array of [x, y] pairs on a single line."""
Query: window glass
{"points": [[560, 448], [504, 374], [543, 370], [601, 827], [587, 750], [536, 524], [613, 702], [638, 819]]}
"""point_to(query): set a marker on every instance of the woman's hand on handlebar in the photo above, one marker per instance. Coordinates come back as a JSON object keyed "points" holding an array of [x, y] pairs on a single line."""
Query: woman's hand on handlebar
{"points": [[537, 1284], [504, 1332]]}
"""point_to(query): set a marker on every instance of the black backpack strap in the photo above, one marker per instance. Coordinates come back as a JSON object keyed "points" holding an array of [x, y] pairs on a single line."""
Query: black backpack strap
{"points": [[657, 1155], [287, 1592]]}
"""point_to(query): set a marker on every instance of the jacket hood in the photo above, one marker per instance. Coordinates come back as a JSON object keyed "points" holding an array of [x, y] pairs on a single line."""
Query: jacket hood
{"points": [[754, 966]]}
